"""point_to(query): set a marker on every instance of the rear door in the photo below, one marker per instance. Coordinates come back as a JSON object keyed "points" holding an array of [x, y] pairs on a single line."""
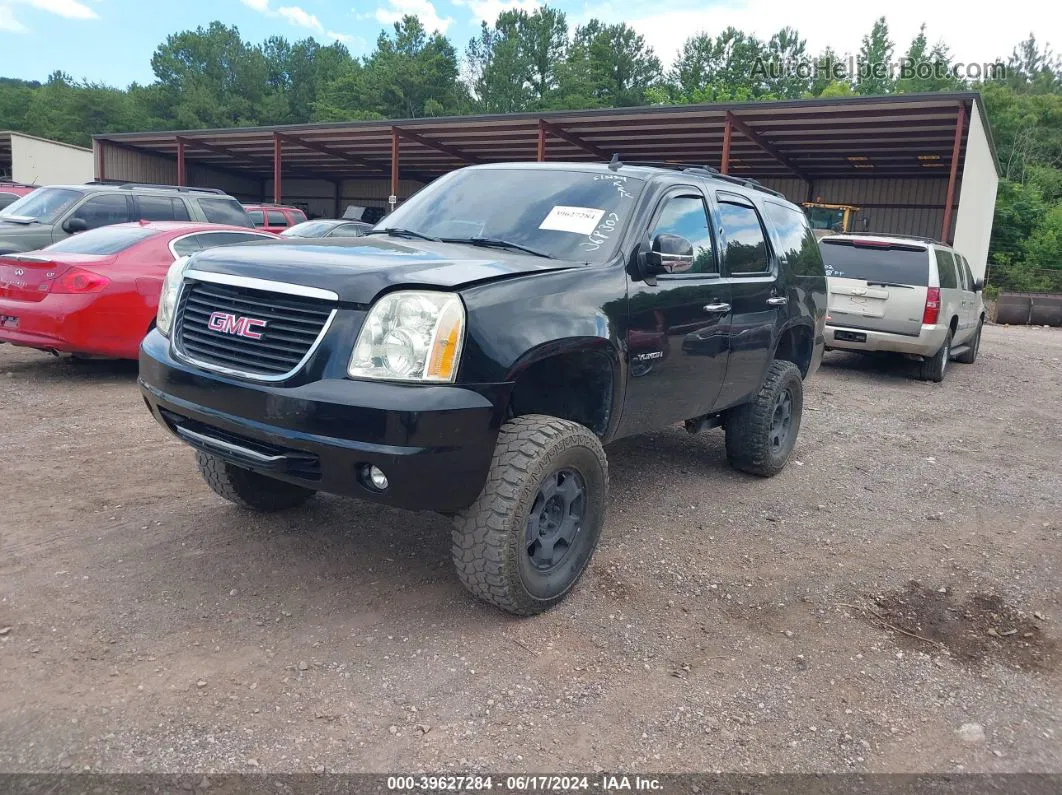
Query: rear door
{"points": [[876, 285]]}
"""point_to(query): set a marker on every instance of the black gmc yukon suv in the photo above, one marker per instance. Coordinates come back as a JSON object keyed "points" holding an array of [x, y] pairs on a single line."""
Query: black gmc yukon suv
{"points": [[473, 353]]}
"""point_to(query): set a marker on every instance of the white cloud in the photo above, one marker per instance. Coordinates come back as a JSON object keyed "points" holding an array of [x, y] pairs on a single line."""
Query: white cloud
{"points": [[300, 18], [261, 6], [71, 9], [8, 22], [970, 39], [422, 9], [488, 10], [345, 38]]}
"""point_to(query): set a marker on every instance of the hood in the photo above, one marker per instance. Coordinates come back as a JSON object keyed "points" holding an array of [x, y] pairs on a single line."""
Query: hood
{"points": [[359, 269], [10, 226]]}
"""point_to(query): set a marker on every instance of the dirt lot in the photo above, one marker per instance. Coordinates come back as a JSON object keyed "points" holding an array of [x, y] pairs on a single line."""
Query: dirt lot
{"points": [[726, 623]]}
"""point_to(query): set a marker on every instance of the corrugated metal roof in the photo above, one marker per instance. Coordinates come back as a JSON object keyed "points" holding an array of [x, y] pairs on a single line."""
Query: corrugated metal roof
{"points": [[890, 136]]}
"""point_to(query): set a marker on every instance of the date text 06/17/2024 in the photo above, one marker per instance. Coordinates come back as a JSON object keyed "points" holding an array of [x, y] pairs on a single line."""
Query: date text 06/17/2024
{"points": [[523, 783]]}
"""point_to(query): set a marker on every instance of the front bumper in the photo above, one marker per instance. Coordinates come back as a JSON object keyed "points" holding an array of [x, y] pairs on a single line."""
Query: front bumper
{"points": [[434, 443], [927, 343]]}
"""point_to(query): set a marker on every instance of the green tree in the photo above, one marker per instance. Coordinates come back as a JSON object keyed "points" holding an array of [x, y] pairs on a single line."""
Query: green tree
{"points": [[828, 69], [732, 66], [875, 61], [608, 66], [926, 69]]}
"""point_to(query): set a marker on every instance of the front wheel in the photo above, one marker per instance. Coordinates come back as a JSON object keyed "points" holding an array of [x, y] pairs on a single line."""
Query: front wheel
{"points": [[249, 489], [527, 539], [761, 434]]}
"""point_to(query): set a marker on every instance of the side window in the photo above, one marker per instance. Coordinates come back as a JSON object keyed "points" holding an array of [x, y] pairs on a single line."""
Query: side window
{"points": [[186, 246], [225, 211], [7, 198], [746, 247], [277, 218], [257, 217], [212, 239], [297, 217], [967, 274], [686, 217], [798, 246], [946, 269], [111, 208], [348, 230], [162, 208]]}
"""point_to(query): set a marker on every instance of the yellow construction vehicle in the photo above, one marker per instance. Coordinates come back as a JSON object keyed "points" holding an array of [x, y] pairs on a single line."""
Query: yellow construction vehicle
{"points": [[828, 219]]}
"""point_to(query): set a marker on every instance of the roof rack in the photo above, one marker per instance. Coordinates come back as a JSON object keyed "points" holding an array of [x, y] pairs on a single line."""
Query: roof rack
{"points": [[10, 183], [154, 186], [918, 238], [695, 168]]}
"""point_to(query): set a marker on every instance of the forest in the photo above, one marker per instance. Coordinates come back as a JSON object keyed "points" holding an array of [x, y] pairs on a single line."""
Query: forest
{"points": [[529, 61]]}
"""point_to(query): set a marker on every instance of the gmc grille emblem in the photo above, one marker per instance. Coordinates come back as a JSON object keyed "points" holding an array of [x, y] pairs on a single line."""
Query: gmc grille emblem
{"points": [[239, 326]]}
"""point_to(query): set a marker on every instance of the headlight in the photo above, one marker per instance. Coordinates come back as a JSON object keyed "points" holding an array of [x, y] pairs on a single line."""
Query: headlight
{"points": [[411, 336], [168, 300]]}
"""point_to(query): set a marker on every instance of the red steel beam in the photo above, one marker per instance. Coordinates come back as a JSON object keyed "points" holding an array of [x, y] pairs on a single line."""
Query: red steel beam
{"points": [[724, 163], [394, 161], [327, 150], [571, 138], [765, 145], [278, 151], [960, 127], [439, 147], [182, 177]]}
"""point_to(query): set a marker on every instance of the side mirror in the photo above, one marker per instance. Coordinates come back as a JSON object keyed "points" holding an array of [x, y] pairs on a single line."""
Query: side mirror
{"points": [[74, 225], [668, 254], [979, 285]]}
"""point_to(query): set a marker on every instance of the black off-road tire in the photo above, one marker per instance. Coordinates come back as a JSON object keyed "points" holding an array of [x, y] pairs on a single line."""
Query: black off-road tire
{"points": [[750, 428], [493, 537], [934, 367], [969, 356], [249, 489]]}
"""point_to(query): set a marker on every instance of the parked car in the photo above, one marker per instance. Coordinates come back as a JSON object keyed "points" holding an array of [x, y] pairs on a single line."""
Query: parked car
{"points": [[50, 214], [96, 293], [273, 217], [324, 227], [11, 192], [907, 295], [473, 352]]}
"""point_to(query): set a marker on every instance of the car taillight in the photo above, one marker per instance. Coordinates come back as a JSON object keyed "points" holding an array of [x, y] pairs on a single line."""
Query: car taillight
{"points": [[79, 280], [929, 317]]}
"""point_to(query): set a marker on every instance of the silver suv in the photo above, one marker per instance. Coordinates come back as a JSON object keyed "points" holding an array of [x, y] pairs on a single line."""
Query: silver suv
{"points": [[47, 215], [908, 295]]}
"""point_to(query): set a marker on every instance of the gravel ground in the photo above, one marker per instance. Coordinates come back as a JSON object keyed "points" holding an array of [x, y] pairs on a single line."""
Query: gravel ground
{"points": [[726, 623]]}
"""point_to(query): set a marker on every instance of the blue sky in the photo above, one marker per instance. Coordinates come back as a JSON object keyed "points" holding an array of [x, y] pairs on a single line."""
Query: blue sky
{"points": [[112, 41]]}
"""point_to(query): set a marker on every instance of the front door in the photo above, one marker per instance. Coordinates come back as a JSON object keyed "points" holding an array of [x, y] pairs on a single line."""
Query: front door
{"points": [[758, 307], [679, 328]]}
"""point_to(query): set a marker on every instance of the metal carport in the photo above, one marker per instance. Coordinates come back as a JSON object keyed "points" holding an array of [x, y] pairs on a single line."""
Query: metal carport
{"points": [[921, 164]]}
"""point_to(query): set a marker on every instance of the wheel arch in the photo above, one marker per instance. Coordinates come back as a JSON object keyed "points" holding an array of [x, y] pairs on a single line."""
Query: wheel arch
{"points": [[796, 344]]}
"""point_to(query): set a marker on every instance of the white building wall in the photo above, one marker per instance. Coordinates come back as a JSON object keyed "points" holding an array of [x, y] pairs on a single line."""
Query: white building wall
{"points": [[977, 198], [37, 161]]}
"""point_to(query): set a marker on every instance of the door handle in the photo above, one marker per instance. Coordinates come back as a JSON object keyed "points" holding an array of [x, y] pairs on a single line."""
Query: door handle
{"points": [[780, 300], [717, 307]]}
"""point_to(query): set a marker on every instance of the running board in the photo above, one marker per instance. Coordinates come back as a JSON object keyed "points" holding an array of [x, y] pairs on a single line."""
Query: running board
{"points": [[959, 349]]}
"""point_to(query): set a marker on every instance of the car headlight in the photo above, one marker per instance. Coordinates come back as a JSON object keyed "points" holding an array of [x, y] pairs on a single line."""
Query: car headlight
{"points": [[411, 336], [168, 300]]}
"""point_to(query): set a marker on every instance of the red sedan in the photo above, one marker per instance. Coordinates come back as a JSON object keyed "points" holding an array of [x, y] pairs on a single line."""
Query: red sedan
{"points": [[11, 192], [96, 293]]}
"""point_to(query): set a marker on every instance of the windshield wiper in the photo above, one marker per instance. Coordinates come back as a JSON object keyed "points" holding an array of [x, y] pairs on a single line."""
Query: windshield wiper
{"points": [[878, 283], [400, 233], [490, 242]]}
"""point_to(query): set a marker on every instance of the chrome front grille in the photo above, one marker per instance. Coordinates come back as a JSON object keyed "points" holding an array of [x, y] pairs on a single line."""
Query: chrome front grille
{"points": [[249, 331]]}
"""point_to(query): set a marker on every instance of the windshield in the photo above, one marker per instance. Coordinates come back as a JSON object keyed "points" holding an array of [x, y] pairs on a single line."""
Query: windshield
{"points": [[880, 262], [309, 229], [826, 218], [570, 215], [44, 204], [105, 240]]}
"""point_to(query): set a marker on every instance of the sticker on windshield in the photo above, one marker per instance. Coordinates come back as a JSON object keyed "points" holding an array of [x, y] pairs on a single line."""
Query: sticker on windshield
{"points": [[580, 220]]}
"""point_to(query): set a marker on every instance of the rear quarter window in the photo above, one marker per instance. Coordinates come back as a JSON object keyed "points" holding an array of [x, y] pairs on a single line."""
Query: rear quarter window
{"points": [[797, 243], [903, 264], [225, 211], [946, 269], [104, 240]]}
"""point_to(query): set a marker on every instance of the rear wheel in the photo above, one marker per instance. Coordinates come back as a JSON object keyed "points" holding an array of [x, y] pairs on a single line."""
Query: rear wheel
{"points": [[970, 355], [933, 368], [761, 434], [249, 489], [527, 539]]}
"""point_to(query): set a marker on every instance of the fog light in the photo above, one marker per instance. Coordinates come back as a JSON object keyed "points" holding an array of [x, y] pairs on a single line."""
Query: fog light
{"points": [[374, 477]]}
